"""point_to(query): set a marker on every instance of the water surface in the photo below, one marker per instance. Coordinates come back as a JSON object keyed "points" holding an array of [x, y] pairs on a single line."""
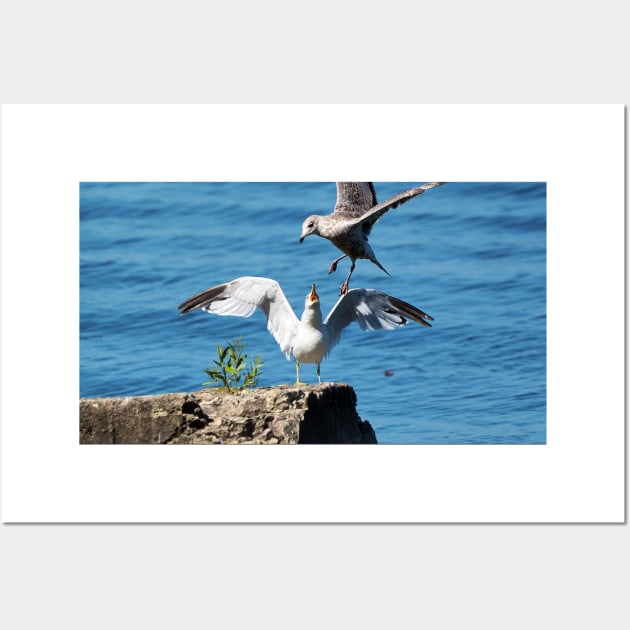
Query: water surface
{"points": [[472, 255]]}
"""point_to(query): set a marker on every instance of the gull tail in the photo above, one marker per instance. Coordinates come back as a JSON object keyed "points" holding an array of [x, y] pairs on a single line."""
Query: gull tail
{"points": [[378, 264]]}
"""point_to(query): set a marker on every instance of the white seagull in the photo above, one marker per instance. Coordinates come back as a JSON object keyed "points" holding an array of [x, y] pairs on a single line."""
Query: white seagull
{"points": [[351, 222], [311, 338]]}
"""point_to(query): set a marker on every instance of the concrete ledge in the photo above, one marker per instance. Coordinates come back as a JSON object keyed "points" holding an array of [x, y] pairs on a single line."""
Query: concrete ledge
{"points": [[284, 414]]}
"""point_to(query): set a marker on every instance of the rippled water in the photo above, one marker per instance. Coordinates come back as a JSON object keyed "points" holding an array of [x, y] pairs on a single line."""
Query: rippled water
{"points": [[472, 255]]}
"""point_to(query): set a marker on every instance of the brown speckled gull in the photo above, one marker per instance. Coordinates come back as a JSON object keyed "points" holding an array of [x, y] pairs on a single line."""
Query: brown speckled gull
{"points": [[351, 222]]}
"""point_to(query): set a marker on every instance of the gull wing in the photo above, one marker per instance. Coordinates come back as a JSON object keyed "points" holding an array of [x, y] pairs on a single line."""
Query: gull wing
{"points": [[354, 199], [241, 297], [369, 218], [373, 310]]}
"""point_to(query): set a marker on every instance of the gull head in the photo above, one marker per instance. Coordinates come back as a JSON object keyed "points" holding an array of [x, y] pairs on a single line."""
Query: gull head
{"points": [[312, 316], [311, 303], [310, 226], [312, 297]]}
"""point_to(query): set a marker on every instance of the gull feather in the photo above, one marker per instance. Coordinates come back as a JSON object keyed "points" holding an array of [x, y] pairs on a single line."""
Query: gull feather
{"points": [[310, 338]]}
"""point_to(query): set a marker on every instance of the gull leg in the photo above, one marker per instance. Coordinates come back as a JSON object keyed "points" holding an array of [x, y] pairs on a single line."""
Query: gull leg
{"points": [[297, 373], [343, 289], [333, 264], [319, 378]]}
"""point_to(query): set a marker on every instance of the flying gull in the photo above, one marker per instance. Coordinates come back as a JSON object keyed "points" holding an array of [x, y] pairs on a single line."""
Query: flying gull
{"points": [[311, 338], [351, 222]]}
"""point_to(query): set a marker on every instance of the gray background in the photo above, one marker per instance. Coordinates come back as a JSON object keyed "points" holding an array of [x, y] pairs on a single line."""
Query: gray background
{"points": [[449, 576]]}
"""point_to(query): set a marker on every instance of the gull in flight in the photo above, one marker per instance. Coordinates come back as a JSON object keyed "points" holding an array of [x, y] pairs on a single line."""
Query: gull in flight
{"points": [[351, 222], [310, 338]]}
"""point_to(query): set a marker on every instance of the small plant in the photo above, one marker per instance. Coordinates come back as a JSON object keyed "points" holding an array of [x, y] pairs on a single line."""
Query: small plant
{"points": [[231, 371]]}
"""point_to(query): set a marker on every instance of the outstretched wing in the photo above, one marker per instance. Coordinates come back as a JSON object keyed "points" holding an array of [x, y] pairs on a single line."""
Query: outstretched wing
{"points": [[373, 310], [354, 199], [241, 297], [369, 218]]}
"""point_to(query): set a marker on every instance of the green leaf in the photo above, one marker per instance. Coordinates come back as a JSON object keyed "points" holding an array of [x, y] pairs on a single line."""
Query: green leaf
{"points": [[232, 371]]}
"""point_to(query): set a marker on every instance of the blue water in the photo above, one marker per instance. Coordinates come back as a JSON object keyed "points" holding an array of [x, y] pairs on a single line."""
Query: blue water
{"points": [[472, 255]]}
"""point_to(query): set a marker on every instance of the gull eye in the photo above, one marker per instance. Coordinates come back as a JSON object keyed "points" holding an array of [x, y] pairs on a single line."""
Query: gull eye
{"points": [[310, 224]]}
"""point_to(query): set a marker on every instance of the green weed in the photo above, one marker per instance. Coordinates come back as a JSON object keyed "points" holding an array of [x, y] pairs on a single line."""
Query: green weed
{"points": [[232, 372]]}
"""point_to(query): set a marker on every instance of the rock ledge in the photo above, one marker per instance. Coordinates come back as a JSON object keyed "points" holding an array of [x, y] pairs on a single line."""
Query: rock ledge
{"points": [[284, 414]]}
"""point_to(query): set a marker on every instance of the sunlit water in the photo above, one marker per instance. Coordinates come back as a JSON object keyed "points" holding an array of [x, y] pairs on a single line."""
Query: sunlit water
{"points": [[472, 255]]}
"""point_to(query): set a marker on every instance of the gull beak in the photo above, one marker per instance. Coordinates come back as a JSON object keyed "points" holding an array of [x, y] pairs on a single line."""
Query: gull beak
{"points": [[313, 297], [302, 237]]}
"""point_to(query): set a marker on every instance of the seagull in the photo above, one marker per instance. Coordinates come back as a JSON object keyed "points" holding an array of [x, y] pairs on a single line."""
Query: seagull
{"points": [[310, 338], [351, 222]]}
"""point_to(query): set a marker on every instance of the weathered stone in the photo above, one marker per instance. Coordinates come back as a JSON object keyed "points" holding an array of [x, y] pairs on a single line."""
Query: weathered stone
{"points": [[322, 414]]}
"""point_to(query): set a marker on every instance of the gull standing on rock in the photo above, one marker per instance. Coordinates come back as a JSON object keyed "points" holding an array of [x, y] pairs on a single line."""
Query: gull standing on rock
{"points": [[351, 222], [311, 338]]}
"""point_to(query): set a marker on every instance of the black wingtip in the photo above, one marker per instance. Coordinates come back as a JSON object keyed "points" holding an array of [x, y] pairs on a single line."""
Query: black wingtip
{"points": [[201, 299], [412, 312]]}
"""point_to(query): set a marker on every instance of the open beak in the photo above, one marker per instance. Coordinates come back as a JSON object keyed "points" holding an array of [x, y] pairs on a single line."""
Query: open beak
{"points": [[313, 297]]}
